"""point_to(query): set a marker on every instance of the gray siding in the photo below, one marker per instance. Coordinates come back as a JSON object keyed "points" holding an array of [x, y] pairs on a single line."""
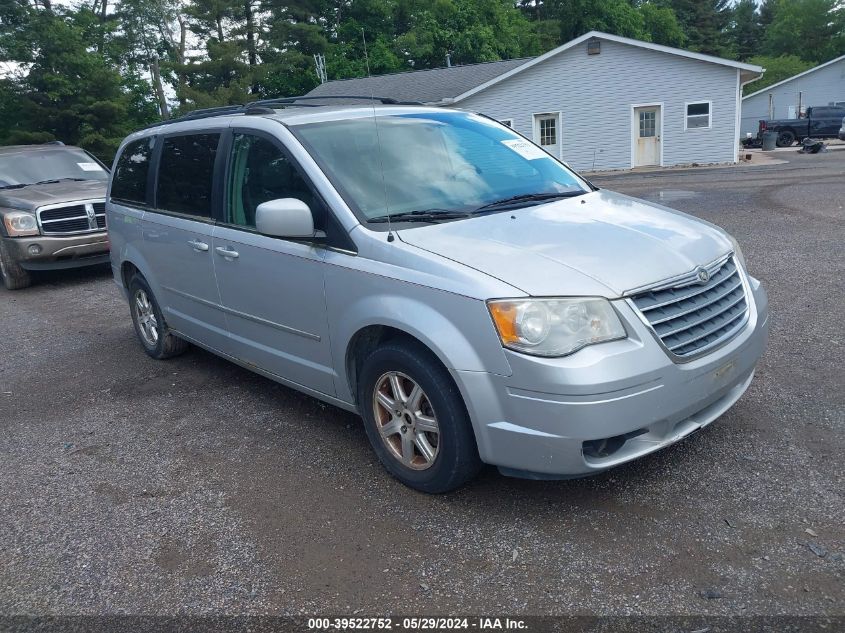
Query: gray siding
{"points": [[595, 93], [819, 88]]}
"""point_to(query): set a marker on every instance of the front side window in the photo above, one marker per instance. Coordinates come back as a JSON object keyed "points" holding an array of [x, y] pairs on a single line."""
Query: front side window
{"points": [[431, 161], [129, 183], [698, 115], [186, 172], [48, 164], [260, 171]]}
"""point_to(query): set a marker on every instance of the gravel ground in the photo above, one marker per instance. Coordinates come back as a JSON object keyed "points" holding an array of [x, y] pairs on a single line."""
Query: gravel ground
{"points": [[131, 486]]}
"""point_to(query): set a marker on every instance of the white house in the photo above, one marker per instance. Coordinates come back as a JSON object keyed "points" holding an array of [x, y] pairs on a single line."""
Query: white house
{"points": [[820, 86], [598, 102]]}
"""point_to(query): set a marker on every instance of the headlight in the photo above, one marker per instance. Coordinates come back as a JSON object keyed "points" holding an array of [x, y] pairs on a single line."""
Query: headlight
{"points": [[738, 253], [20, 224], [554, 327]]}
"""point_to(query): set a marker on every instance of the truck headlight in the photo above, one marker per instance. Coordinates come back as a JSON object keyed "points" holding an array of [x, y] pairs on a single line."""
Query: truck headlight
{"points": [[555, 326], [20, 224]]}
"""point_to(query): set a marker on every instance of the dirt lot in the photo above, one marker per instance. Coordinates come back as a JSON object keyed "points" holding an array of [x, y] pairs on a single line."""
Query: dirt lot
{"points": [[193, 486]]}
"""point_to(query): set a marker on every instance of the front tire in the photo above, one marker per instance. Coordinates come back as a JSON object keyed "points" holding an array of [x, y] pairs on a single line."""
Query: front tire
{"points": [[416, 419], [156, 338], [14, 276]]}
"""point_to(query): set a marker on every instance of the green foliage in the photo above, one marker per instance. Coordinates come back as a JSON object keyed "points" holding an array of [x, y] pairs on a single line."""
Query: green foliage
{"points": [[83, 75], [746, 31], [813, 30], [777, 69], [661, 25], [705, 23], [69, 92]]}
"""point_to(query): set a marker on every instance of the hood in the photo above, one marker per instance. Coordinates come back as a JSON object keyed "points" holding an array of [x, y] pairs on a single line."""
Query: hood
{"points": [[30, 198], [602, 243]]}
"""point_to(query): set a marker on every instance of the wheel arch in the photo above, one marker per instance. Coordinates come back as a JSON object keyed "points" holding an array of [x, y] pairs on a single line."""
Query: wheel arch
{"points": [[132, 261], [369, 338], [457, 343]]}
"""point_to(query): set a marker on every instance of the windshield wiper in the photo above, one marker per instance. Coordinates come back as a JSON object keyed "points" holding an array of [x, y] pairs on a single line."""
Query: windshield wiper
{"points": [[422, 215], [528, 197], [41, 182], [55, 180]]}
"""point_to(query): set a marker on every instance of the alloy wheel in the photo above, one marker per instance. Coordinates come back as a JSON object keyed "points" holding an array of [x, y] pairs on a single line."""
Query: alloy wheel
{"points": [[406, 420], [147, 322]]}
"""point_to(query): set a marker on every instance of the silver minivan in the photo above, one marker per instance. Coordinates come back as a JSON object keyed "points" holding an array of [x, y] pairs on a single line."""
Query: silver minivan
{"points": [[472, 298]]}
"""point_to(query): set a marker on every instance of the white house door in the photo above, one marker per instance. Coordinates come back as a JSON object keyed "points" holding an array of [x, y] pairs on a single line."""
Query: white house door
{"points": [[647, 136], [547, 132]]}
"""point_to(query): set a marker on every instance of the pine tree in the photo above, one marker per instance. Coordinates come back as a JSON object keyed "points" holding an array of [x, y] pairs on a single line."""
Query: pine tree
{"points": [[746, 32], [705, 23]]}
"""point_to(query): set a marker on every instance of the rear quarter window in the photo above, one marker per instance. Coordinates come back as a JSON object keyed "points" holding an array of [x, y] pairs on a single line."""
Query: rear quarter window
{"points": [[129, 183]]}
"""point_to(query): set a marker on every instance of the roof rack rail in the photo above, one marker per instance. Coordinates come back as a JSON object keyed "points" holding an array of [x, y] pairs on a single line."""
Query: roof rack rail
{"points": [[261, 107], [293, 100]]}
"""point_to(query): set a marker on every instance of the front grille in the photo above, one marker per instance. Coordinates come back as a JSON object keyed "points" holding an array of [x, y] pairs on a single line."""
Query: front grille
{"points": [[72, 218], [690, 317], [100, 212]]}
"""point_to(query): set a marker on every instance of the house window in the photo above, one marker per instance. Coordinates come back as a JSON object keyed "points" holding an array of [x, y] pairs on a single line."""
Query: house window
{"points": [[698, 115], [648, 123], [508, 122], [548, 131]]}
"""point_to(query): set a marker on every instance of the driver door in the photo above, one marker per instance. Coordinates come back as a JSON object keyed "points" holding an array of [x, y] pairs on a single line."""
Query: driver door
{"points": [[271, 288]]}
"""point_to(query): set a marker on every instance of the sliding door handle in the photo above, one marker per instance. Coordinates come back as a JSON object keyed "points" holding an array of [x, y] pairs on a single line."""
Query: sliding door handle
{"points": [[225, 252]]}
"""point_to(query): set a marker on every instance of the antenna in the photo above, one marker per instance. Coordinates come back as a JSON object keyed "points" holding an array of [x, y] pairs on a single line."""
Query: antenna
{"points": [[378, 138]]}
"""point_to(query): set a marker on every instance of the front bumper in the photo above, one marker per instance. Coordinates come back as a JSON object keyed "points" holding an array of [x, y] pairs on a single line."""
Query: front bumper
{"points": [[607, 404], [60, 252]]}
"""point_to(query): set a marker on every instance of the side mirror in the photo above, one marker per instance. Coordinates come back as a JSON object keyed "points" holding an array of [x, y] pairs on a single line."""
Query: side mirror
{"points": [[285, 217]]}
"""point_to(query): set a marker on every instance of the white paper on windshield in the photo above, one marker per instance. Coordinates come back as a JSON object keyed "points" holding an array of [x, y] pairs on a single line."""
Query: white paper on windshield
{"points": [[527, 150], [89, 167]]}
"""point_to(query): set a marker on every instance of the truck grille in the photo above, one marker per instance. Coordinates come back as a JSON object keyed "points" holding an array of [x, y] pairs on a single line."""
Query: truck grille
{"points": [[82, 217], [691, 317]]}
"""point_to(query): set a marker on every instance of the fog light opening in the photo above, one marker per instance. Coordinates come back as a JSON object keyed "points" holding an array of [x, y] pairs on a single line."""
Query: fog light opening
{"points": [[34, 249], [607, 446]]}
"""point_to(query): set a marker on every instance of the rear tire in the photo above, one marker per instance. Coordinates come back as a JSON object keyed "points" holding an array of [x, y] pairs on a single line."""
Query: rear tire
{"points": [[156, 338], [14, 276], [416, 419], [785, 138]]}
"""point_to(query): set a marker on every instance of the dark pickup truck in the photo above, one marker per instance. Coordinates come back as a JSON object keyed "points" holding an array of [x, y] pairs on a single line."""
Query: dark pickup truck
{"points": [[820, 122]]}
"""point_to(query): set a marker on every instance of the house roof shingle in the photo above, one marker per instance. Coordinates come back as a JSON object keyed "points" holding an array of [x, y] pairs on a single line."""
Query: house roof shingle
{"points": [[427, 86]]}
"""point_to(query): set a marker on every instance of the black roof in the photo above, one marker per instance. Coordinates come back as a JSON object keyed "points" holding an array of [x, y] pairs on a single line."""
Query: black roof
{"points": [[427, 86]]}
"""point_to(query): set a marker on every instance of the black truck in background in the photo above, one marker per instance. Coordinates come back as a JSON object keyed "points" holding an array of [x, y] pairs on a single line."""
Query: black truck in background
{"points": [[819, 122]]}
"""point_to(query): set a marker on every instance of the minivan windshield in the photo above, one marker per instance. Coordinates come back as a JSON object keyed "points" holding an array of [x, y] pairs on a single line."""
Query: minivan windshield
{"points": [[434, 165], [29, 167]]}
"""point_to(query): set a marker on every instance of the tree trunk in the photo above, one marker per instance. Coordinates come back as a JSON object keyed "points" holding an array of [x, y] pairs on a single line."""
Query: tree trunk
{"points": [[250, 44], [182, 76], [155, 71]]}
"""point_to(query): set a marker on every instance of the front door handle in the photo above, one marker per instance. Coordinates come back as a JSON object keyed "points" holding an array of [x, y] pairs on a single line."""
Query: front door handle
{"points": [[200, 247], [225, 252]]}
